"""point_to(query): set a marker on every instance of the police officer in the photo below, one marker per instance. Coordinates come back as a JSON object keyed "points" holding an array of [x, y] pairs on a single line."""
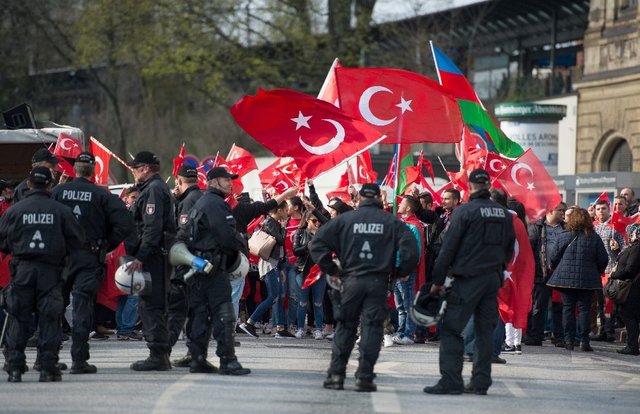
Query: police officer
{"points": [[371, 245], [211, 233], [154, 218], [187, 193], [38, 233], [475, 251], [41, 158], [106, 222]]}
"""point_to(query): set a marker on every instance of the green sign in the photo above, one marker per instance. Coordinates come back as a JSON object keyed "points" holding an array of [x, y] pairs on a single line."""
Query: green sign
{"points": [[530, 110]]}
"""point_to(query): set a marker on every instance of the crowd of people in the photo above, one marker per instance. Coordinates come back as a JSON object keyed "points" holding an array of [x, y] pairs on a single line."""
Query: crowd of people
{"points": [[59, 254]]}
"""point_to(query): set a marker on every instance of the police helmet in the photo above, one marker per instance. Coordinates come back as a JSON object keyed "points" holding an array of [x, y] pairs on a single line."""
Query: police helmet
{"points": [[129, 283], [428, 307], [239, 267]]}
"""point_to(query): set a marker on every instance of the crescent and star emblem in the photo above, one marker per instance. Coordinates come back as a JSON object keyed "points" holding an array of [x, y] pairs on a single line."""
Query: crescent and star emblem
{"points": [[100, 163], [514, 173], [364, 105], [500, 165], [332, 145], [64, 146]]}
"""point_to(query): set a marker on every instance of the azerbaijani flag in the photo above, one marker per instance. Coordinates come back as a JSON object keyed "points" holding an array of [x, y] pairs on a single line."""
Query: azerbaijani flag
{"points": [[403, 153], [473, 112]]}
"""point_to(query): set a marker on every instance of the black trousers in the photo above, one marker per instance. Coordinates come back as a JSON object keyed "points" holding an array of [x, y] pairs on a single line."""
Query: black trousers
{"points": [[152, 307], [210, 305], [539, 309], [34, 287], [363, 299], [85, 274], [178, 306], [477, 296], [582, 299]]}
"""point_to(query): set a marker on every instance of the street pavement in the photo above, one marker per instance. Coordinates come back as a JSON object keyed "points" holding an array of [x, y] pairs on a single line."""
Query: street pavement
{"points": [[287, 375]]}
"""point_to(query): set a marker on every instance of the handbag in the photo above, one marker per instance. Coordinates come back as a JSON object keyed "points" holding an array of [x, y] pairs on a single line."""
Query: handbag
{"points": [[618, 290], [261, 244]]}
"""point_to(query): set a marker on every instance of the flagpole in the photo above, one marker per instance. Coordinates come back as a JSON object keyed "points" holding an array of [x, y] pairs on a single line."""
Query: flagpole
{"points": [[396, 178], [101, 145], [435, 62]]}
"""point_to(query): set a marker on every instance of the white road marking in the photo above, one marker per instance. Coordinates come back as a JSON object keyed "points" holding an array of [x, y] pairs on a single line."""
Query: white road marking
{"points": [[163, 405], [515, 389], [385, 400]]}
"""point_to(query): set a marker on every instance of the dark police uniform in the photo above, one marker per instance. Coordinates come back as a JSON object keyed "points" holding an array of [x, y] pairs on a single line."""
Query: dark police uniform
{"points": [[39, 233], [154, 218], [367, 242], [211, 233], [106, 222], [475, 251], [178, 304]]}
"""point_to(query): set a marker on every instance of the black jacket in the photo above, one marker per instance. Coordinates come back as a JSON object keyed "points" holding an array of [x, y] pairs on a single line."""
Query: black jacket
{"points": [[20, 191], [627, 269], [154, 217], [102, 215], [538, 238], [301, 240], [579, 260], [244, 213], [272, 227], [40, 229], [317, 204], [185, 202], [367, 241], [479, 240], [211, 226]]}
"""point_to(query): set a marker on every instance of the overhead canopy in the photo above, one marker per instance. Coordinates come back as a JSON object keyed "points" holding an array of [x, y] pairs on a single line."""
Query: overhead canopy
{"points": [[37, 136]]}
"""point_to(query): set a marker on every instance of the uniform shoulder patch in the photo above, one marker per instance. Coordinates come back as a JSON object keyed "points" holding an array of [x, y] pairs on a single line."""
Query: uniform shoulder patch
{"points": [[183, 219], [151, 209]]}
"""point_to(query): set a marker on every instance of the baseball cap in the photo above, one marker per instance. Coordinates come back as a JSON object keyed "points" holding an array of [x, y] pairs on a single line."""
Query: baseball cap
{"points": [[340, 206], [85, 157], [187, 171], [370, 190], [144, 157], [44, 154], [40, 175], [219, 172], [479, 176]]}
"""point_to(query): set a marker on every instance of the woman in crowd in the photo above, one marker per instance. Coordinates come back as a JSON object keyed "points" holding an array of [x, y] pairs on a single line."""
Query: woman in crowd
{"points": [[303, 236], [579, 258], [628, 268]]}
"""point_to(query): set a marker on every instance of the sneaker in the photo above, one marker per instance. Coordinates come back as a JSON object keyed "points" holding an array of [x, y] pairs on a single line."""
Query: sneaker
{"points": [[317, 334], [299, 334], [405, 340], [249, 329], [518, 349], [284, 334], [96, 336], [388, 341], [329, 337], [509, 349], [396, 339]]}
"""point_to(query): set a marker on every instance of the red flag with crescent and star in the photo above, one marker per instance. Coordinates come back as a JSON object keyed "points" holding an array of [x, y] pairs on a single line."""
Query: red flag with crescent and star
{"points": [[528, 181], [102, 156], [241, 161], [316, 134], [67, 146], [329, 90], [408, 108], [514, 298], [364, 169], [178, 161]]}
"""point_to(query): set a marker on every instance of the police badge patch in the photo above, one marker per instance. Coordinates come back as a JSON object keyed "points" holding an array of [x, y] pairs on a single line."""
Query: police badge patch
{"points": [[151, 208], [183, 219]]}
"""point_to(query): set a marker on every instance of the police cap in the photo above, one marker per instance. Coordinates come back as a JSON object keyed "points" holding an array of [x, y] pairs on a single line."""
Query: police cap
{"points": [[86, 157], [41, 175], [44, 154], [370, 190], [479, 176], [187, 171], [144, 157]]}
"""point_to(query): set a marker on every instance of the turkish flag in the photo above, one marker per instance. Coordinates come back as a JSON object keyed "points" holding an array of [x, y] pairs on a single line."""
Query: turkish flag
{"points": [[341, 192], [329, 90], [202, 177], [604, 196], [291, 171], [315, 133], [619, 222], [108, 293], [495, 164], [514, 298], [314, 275], [282, 183], [527, 181], [390, 179], [67, 146], [473, 150], [102, 156], [408, 108], [272, 170], [241, 161], [364, 169], [178, 161], [460, 181], [66, 168]]}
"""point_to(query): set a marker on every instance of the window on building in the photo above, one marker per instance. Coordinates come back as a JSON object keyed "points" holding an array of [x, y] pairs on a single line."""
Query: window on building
{"points": [[621, 158]]}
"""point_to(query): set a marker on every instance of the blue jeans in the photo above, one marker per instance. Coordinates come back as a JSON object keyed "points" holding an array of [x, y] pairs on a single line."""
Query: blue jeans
{"points": [[272, 281], [126, 314], [237, 286], [293, 290], [317, 295], [403, 293], [470, 337]]}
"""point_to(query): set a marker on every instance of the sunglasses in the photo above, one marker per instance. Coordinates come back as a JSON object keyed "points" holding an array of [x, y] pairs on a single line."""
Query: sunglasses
{"points": [[314, 221]]}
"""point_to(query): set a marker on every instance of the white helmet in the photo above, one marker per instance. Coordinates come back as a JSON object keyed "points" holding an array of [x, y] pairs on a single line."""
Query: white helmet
{"points": [[239, 268], [130, 283]]}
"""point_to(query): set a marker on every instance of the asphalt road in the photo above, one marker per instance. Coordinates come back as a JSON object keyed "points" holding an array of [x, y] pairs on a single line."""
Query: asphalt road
{"points": [[288, 373]]}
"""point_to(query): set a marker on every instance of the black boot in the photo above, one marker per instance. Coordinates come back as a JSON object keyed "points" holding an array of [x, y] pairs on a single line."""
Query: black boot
{"points": [[365, 385], [82, 367], [184, 362], [202, 366], [155, 362], [15, 375], [50, 375], [232, 367], [334, 382]]}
